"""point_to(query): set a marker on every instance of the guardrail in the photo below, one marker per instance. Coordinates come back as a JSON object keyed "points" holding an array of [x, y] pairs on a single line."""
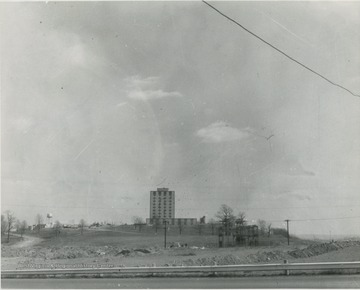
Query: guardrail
{"points": [[182, 269]]}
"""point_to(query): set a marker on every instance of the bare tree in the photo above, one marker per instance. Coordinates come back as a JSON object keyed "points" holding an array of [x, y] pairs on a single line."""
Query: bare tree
{"points": [[82, 225], [38, 222], [10, 223], [57, 228], [226, 216], [241, 219], [3, 225], [262, 226], [138, 221], [269, 229]]}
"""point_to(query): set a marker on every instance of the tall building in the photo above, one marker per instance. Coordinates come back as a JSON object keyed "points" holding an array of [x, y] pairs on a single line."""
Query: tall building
{"points": [[162, 208], [162, 204]]}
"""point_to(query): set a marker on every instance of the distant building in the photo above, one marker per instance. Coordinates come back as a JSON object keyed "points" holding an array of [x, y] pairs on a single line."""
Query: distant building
{"points": [[162, 207], [173, 221], [162, 204]]}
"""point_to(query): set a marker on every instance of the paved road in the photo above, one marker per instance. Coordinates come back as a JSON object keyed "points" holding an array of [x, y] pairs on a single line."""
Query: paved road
{"points": [[336, 281]]}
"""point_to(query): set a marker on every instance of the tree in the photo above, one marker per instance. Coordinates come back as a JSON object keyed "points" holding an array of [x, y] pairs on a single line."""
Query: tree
{"points": [[269, 230], [10, 223], [82, 225], [241, 219], [138, 221], [262, 226], [57, 228], [3, 225], [226, 216], [38, 222]]}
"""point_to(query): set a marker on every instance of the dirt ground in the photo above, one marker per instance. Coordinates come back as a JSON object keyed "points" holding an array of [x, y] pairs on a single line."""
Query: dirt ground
{"points": [[109, 248]]}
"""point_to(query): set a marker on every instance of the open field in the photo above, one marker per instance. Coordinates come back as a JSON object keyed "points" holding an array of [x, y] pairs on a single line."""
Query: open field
{"points": [[126, 246], [14, 239]]}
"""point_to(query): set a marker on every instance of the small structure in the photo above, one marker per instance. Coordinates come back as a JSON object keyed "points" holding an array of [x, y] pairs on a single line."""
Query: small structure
{"points": [[173, 221], [242, 235], [246, 235]]}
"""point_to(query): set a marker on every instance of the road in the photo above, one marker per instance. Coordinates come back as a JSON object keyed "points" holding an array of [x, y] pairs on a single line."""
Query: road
{"points": [[315, 281], [28, 241]]}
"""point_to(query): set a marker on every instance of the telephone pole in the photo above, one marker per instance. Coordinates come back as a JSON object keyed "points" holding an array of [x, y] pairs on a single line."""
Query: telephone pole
{"points": [[287, 229]]}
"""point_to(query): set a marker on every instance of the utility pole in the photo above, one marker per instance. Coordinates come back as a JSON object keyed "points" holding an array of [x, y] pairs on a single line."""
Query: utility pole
{"points": [[165, 228], [287, 228]]}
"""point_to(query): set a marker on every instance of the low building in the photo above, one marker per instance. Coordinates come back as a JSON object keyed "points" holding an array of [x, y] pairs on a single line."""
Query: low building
{"points": [[172, 221]]}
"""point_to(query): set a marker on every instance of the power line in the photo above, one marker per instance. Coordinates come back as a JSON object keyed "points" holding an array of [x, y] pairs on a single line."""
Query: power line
{"points": [[280, 51], [319, 219], [325, 219]]}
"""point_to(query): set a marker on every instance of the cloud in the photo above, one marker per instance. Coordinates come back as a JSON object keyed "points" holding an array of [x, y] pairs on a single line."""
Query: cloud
{"points": [[221, 132], [147, 89], [293, 194], [151, 95]]}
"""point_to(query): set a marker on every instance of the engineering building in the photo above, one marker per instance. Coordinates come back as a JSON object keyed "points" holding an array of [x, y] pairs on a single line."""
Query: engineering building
{"points": [[162, 207]]}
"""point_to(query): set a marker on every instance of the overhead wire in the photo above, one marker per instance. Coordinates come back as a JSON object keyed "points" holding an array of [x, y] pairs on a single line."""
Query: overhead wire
{"points": [[317, 219], [279, 50]]}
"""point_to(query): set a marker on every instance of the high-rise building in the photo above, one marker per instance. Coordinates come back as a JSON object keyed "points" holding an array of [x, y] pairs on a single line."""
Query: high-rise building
{"points": [[162, 204]]}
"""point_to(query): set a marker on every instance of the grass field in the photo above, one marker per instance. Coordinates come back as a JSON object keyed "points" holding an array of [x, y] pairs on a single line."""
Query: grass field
{"points": [[13, 239], [128, 246], [129, 236]]}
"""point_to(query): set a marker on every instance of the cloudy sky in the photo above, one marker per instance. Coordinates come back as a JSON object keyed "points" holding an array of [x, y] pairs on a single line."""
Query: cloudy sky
{"points": [[104, 101]]}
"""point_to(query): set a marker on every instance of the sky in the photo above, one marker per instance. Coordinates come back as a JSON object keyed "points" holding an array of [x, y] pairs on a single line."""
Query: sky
{"points": [[102, 102]]}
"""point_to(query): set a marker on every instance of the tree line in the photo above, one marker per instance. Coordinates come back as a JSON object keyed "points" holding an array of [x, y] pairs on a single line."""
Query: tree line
{"points": [[225, 216], [9, 223]]}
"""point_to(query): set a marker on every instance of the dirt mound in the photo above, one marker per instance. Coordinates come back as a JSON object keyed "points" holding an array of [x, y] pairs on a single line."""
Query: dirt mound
{"points": [[145, 251], [54, 253], [263, 257], [259, 257], [319, 249], [268, 256]]}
